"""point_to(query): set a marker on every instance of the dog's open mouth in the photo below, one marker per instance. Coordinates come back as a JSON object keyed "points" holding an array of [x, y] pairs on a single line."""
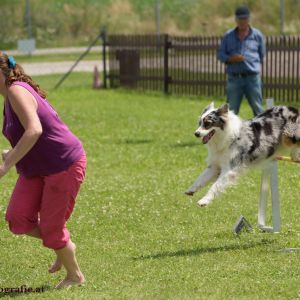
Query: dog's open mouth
{"points": [[207, 137]]}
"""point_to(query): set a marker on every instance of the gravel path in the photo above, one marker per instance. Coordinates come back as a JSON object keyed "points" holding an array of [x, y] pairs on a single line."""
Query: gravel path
{"points": [[47, 51], [45, 68]]}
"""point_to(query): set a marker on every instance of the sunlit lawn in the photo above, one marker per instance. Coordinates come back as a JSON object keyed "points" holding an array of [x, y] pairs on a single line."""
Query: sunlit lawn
{"points": [[137, 235]]}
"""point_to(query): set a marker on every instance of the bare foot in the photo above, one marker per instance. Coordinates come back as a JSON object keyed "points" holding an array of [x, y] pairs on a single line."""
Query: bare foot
{"points": [[68, 282], [58, 264]]}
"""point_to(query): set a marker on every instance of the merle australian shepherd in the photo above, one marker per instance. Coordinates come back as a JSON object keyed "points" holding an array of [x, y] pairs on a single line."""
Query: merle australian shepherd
{"points": [[234, 144]]}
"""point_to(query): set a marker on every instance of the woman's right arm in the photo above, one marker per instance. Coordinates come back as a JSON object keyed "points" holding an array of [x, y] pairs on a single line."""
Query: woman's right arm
{"points": [[25, 107]]}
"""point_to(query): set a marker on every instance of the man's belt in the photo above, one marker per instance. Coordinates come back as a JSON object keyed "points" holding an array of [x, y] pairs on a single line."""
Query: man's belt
{"points": [[243, 74]]}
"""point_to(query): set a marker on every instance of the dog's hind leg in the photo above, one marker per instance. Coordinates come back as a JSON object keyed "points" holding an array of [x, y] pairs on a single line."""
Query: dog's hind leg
{"points": [[204, 178], [225, 179]]}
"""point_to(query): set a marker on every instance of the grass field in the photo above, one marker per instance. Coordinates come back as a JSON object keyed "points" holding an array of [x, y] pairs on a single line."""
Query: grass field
{"points": [[137, 235]]}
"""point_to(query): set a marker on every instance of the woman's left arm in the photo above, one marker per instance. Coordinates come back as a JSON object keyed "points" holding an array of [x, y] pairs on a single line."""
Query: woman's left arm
{"points": [[25, 106]]}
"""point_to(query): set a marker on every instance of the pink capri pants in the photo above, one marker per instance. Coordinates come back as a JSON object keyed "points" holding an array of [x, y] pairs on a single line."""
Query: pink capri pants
{"points": [[46, 202]]}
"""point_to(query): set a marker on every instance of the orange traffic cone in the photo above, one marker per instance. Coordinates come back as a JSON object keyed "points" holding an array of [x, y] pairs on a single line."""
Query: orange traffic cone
{"points": [[97, 84]]}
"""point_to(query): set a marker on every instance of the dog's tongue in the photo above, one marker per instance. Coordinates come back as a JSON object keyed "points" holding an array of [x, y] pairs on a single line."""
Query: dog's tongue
{"points": [[207, 137]]}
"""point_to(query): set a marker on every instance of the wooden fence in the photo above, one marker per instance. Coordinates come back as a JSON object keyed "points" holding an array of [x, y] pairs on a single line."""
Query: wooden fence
{"points": [[189, 65]]}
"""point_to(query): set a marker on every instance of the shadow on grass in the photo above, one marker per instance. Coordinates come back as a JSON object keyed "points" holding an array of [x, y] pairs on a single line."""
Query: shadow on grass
{"points": [[13, 292], [186, 144], [135, 141], [204, 250]]}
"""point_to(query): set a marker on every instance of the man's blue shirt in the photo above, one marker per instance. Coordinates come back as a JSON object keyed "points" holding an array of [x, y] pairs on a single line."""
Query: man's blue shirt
{"points": [[252, 48]]}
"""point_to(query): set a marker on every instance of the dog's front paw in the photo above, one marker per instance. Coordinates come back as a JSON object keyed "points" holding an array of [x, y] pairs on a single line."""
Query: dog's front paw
{"points": [[190, 192], [203, 202]]}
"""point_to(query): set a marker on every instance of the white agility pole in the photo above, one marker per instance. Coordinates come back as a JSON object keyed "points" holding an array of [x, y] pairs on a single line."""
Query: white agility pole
{"points": [[269, 181]]}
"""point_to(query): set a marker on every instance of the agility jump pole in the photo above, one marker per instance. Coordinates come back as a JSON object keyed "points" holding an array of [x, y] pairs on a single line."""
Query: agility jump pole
{"points": [[269, 182], [287, 158]]}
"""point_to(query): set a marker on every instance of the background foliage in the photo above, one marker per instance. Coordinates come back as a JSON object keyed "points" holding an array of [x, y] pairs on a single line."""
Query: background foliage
{"points": [[76, 22]]}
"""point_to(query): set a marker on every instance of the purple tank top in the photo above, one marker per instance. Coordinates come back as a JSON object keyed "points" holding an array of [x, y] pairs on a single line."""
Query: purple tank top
{"points": [[57, 147]]}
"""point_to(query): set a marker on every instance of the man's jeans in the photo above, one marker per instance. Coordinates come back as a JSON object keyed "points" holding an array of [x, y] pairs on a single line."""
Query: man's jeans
{"points": [[250, 86]]}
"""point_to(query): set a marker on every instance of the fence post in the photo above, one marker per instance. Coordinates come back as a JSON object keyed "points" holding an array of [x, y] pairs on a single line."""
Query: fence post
{"points": [[166, 63], [104, 44], [78, 60]]}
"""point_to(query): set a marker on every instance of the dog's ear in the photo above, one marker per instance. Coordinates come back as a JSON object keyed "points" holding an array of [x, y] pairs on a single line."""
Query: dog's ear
{"points": [[209, 107], [223, 109]]}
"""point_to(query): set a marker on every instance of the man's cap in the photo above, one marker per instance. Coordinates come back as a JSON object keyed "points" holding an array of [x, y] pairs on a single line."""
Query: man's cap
{"points": [[242, 12]]}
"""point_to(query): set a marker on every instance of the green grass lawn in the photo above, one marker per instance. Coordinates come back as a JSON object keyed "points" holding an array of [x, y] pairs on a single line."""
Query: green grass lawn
{"points": [[137, 235]]}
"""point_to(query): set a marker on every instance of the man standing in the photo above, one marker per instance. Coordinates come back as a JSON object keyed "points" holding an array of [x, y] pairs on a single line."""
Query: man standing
{"points": [[242, 50]]}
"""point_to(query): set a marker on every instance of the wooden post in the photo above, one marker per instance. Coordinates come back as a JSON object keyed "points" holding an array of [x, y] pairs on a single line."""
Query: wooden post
{"points": [[104, 44], [166, 63]]}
